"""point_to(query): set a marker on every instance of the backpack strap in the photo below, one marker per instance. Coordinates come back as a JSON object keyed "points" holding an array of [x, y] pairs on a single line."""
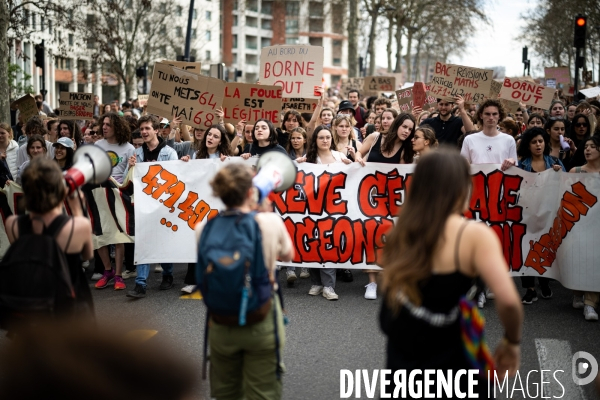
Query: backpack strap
{"points": [[56, 226]]}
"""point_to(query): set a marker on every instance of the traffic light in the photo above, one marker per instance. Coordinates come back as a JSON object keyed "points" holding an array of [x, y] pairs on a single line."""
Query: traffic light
{"points": [[580, 28], [39, 55]]}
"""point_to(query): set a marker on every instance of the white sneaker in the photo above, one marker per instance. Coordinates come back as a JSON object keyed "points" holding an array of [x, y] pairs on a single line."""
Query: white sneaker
{"points": [[158, 268], [329, 293], [578, 302], [481, 300], [291, 276], [489, 294], [85, 264], [371, 293], [304, 273], [129, 274], [589, 313], [96, 276], [315, 290], [189, 289]]}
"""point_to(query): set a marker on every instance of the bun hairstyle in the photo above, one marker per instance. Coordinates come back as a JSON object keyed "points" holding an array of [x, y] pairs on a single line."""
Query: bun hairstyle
{"points": [[231, 184], [43, 185], [428, 134]]}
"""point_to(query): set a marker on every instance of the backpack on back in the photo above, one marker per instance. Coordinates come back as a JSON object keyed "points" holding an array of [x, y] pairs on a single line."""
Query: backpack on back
{"points": [[231, 270], [34, 275]]}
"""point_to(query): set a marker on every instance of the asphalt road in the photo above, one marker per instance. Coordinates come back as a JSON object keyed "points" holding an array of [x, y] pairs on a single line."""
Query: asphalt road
{"points": [[326, 336]]}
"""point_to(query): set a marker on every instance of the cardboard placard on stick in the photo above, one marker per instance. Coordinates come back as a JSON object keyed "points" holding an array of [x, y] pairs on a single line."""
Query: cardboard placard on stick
{"points": [[298, 69], [185, 94], [27, 107], [195, 67], [450, 80], [405, 99], [299, 104], [561, 74], [495, 89], [251, 102], [143, 99], [528, 93], [510, 106], [373, 85], [419, 94], [349, 84], [73, 105]]}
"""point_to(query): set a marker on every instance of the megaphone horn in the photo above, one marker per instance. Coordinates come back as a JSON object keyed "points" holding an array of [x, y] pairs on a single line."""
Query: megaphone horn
{"points": [[91, 164], [276, 172]]}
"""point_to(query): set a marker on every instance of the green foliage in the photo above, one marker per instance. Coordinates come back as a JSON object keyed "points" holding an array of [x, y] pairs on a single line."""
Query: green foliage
{"points": [[18, 87]]}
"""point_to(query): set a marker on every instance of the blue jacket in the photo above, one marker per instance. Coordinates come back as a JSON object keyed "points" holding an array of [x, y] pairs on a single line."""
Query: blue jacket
{"points": [[549, 161], [166, 154]]}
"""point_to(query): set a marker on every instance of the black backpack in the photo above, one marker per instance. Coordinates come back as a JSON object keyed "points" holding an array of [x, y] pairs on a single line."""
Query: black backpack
{"points": [[34, 276]]}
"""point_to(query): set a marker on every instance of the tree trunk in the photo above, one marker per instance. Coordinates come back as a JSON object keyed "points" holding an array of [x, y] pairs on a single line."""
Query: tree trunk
{"points": [[372, 33], [417, 61], [398, 68], [408, 55], [4, 56], [353, 39], [389, 43]]}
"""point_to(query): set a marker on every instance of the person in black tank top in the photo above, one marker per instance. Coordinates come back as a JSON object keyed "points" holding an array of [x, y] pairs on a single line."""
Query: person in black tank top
{"points": [[430, 262]]}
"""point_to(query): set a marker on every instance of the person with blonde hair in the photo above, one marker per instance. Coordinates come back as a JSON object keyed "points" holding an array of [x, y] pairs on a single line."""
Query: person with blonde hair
{"points": [[344, 136], [423, 141]]}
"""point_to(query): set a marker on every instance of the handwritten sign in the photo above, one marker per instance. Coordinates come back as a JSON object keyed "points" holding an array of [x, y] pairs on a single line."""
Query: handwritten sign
{"points": [[299, 104], [495, 89], [527, 92], [185, 94], [405, 99], [251, 102], [561, 74], [73, 105], [591, 92], [298, 69], [373, 85], [451, 80], [27, 107], [349, 84], [195, 67], [143, 99]]}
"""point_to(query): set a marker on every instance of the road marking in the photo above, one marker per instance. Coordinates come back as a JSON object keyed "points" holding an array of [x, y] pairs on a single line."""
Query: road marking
{"points": [[554, 355], [194, 296]]}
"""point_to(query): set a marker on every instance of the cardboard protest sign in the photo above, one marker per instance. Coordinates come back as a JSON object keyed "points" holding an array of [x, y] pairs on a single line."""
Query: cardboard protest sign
{"points": [[298, 69], [529, 93], [73, 105], [27, 107], [373, 85], [349, 84], [450, 80], [405, 98], [419, 94], [591, 92], [185, 94], [510, 106], [143, 99], [195, 67], [299, 104], [561, 74], [251, 102], [551, 83], [495, 88]]}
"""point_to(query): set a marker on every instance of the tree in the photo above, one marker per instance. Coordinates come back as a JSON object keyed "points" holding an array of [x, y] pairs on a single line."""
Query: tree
{"points": [[353, 38]]}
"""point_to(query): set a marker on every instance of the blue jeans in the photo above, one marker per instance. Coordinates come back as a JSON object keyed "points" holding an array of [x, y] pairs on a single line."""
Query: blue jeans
{"points": [[143, 270]]}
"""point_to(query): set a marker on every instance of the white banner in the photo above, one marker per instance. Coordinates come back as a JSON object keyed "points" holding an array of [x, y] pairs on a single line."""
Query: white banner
{"points": [[338, 214]]}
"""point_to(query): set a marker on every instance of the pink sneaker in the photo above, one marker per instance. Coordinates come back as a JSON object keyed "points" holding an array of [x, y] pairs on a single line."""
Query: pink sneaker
{"points": [[119, 284], [107, 277]]}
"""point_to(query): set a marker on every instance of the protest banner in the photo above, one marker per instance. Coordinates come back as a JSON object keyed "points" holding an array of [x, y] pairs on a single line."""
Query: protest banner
{"points": [[27, 107], [143, 99], [74, 105], [251, 102], [356, 83], [561, 74], [185, 94], [298, 69], [529, 93], [337, 215], [299, 104], [591, 92], [194, 67], [449, 80], [405, 99], [375, 85]]}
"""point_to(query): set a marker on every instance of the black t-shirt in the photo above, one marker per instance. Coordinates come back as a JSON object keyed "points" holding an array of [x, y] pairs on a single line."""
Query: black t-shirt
{"points": [[446, 131], [254, 150]]}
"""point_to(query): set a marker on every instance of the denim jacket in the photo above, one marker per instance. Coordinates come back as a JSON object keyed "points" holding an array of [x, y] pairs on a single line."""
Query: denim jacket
{"points": [[549, 161], [166, 154]]}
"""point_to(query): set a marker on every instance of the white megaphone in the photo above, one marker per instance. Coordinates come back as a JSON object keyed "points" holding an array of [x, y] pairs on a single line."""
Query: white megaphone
{"points": [[91, 164], [276, 172]]}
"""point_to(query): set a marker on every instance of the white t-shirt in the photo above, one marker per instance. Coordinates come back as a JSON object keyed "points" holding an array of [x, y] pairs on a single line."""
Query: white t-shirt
{"points": [[119, 155], [22, 155], [479, 148]]}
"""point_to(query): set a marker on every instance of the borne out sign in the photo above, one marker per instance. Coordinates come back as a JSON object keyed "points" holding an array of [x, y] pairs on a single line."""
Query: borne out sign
{"points": [[526, 92], [298, 69]]}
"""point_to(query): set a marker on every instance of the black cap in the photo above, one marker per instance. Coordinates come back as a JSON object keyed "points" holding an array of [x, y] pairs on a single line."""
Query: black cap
{"points": [[346, 105]]}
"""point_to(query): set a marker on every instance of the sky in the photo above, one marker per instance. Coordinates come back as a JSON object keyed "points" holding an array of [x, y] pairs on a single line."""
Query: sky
{"points": [[494, 44]]}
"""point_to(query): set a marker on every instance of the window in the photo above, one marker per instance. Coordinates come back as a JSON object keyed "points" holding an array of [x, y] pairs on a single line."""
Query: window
{"points": [[251, 22], [163, 29], [193, 34], [91, 43], [267, 7], [207, 55], [128, 3], [60, 37], [315, 25], [208, 16], [179, 11], [179, 31], [265, 42], [50, 26], [163, 51], [315, 9], [195, 14], [291, 40], [337, 21], [336, 53], [292, 8], [26, 17], [251, 42], [207, 36], [251, 5], [71, 39], [90, 20], [235, 20], [68, 63], [291, 26], [235, 44], [42, 23], [315, 41], [162, 8], [265, 24], [33, 20], [128, 25]]}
